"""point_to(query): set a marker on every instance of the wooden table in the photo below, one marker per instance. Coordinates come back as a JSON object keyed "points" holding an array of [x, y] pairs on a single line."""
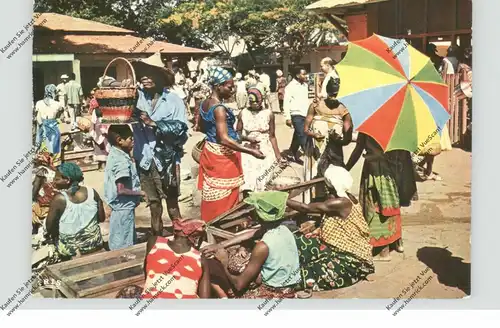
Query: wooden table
{"points": [[100, 275], [223, 227], [81, 153]]}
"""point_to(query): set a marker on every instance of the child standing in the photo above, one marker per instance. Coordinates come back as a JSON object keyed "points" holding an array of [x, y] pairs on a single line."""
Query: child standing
{"points": [[122, 189]]}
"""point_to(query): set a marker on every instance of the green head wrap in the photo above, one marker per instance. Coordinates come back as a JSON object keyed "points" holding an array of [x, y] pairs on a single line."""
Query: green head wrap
{"points": [[269, 205], [72, 172]]}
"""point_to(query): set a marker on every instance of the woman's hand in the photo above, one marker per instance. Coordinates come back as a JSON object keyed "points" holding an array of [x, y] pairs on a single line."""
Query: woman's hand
{"points": [[251, 140], [318, 136], [335, 136], [282, 163], [257, 153], [222, 256], [210, 250]]}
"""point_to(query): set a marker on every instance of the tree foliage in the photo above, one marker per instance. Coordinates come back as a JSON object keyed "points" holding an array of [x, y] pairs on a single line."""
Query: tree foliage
{"points": [[142, 16], [266, 26]]}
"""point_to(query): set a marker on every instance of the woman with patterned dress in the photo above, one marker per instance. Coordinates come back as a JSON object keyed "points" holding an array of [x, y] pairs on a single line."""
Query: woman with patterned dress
{"points": [[256, 123], [338, 254], [48, 137], [221, 173], [74, 214], [379, 196], [329, 127], [173, 267], [273, 269]]}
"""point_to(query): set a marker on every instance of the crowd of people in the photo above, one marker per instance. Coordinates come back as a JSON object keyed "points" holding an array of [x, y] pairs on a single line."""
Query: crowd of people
{"points": [[142, 164]]}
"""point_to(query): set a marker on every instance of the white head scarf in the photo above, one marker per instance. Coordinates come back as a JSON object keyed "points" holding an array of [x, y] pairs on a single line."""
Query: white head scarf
{"points": [[238, 76], [279, 73], [338, 178]]}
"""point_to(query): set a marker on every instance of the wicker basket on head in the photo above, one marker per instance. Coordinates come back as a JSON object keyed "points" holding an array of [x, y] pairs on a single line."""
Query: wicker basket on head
{"points": [[197, 149], [117, 103]]}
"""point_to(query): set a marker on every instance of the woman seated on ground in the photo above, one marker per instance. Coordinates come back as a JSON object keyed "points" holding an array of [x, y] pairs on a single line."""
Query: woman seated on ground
{"points": [[173, 267], [338, 254], [273, 266], [74, 214], [43, 188]]}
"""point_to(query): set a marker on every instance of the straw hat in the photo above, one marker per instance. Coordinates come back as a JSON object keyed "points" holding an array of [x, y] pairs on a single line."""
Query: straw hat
{"points": [[154, 62]]}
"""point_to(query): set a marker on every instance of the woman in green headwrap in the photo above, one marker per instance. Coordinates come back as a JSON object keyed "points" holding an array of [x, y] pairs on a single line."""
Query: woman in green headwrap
{"points": [[74, 214], [274, 262]]}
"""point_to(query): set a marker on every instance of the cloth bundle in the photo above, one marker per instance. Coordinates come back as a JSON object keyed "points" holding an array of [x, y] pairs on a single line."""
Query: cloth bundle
{"points": [[173, 134]]}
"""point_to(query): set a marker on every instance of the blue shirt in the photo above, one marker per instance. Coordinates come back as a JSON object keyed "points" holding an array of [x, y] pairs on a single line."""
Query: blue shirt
{"points": [[281, 268], [168, 107], [120, 165], [209, 123]]}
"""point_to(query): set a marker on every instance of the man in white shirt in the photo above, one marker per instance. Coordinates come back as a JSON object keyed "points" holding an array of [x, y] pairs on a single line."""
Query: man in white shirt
{"points": [[61, 94], [328, 68], [266, 81], [295, 106]]}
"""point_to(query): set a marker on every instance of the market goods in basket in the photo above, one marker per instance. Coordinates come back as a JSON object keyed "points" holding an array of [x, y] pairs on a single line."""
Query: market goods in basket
{"points": [[117, 103]]}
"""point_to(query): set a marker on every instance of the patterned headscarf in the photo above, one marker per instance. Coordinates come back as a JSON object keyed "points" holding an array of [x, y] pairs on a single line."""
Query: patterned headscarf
{"points": [[218, 76], [270, 206], [50, 93], [254, 95], [191, 228], [72, 172]]}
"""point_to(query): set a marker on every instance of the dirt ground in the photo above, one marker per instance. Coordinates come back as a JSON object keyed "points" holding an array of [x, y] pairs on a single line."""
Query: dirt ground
{"points": [[436, 229]]}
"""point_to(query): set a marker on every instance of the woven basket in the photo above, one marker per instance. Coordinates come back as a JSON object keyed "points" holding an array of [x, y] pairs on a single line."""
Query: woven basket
{"points": [[117, 103], [197, 149], [280, 180]]}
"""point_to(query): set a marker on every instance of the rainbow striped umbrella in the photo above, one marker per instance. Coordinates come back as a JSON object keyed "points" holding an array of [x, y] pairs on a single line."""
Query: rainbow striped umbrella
{"points": [[393, 92]]}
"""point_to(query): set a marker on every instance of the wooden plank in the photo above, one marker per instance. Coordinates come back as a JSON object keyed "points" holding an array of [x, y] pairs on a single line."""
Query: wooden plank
{"points": [[64, 286], [233, 223], [220, 233], [106, 270], [225, 214], [111, 287], [92, 258], [236, 215]]}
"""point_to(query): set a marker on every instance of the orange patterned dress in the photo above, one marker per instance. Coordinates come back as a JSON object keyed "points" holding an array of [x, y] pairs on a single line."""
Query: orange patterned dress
{"points": [[172, 275]]}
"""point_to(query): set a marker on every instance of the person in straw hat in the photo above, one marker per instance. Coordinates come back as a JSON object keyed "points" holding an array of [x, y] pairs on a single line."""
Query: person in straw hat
{"points": [[162, 113], [338, 254]]}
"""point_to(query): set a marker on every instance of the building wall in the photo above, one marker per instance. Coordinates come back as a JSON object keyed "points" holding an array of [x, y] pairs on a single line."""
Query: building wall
{"points": [[48, 73], [314, 57]]}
